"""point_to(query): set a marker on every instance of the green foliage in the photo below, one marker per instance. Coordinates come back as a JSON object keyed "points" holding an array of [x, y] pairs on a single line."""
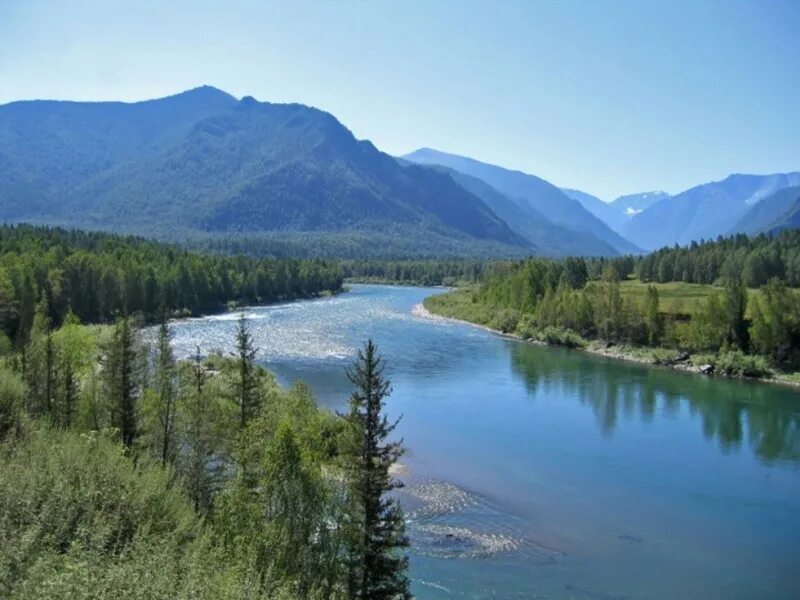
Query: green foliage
{"points": [[533, 299], [756, 260], [775, 331], [97, 276], [12, 401], [248, 389], [738, 364], [377, 569]]}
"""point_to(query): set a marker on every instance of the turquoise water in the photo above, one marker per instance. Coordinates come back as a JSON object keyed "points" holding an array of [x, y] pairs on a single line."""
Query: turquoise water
{"points": [[546, 473]]}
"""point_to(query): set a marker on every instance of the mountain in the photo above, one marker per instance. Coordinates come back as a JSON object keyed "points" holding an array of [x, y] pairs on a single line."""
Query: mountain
{"points": [[703, 212], [769, 212], [605, 211], [549, 238], [204, 162], [789, 220], [633, 204], [530, 192]]}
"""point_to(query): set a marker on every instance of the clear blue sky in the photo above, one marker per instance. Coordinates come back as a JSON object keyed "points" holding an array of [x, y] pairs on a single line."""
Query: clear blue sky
{"points": [[609, 97]]}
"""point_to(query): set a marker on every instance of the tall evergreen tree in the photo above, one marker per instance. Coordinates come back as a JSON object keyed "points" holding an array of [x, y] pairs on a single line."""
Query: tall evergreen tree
{"points": [[166, 392], [248, 392], [378, 566], [119, 374]]}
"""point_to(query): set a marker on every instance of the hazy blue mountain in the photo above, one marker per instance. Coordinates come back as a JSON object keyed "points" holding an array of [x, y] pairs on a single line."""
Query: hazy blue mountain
{"points": [[605, 211], [548, 238], [633, 204], [203, 161], [531, 191], [703, 212], [789, 220], [769, 212]]}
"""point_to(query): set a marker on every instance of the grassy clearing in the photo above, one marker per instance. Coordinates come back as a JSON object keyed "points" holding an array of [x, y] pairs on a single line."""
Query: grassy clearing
{"points": [[677, 297]]}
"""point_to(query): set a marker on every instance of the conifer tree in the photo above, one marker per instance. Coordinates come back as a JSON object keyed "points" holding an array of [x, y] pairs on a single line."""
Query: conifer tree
{"points": [[165, 389], [378, 568], [119, 375], [248, 393]]}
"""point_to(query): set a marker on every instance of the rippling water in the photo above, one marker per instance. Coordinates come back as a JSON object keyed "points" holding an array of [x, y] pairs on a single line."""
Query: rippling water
{"points": [[544, 473]]}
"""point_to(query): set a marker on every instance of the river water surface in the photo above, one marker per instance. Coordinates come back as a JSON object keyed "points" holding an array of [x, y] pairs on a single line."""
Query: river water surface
{"points": [[546, 473]]}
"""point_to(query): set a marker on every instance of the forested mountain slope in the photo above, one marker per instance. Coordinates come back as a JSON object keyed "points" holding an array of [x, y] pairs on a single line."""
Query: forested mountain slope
{"points": [[202, 161], [530, 192]]}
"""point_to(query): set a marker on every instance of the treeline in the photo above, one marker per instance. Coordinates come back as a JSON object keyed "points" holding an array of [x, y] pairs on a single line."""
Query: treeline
{"points": [[557, 302], [125, 473], [465, 271], [757, 260], [420, 272], [97, 276]]}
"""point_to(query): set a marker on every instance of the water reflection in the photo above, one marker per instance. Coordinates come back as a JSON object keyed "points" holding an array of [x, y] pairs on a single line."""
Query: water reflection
{"points": [[732, 413]]}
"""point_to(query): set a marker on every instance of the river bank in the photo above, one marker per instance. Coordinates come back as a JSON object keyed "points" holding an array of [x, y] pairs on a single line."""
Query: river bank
{"points": [[670, 358]]}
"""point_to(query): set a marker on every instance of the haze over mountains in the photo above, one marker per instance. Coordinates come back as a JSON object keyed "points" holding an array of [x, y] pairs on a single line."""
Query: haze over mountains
{"points": [[202, 163]]}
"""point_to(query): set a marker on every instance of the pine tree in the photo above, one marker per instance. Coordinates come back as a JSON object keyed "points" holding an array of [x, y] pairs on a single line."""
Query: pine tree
{"points": [[378, 568], [196, 461], [119, 375], [248, 393], [165, 389]]}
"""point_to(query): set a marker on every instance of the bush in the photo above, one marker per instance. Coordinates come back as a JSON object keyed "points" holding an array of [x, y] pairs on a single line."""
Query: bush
{"points": [[80, 519], [12, 397], [505, 321], [738, 364], [556, 336]]}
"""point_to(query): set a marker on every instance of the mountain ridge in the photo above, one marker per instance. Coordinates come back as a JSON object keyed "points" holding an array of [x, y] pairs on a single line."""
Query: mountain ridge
{"points": [[532, 191], [203, 161]]}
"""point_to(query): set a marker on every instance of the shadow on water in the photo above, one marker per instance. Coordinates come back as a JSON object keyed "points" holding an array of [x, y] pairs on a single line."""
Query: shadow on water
{"points": [[732, 412]]}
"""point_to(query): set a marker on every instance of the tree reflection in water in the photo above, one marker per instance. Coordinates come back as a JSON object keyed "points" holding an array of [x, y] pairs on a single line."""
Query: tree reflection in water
{"points": [[732, 412]]}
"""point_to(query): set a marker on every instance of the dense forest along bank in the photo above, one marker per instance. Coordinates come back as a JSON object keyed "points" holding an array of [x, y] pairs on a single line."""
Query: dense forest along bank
{"points": [[541, 471], [458, 306]]}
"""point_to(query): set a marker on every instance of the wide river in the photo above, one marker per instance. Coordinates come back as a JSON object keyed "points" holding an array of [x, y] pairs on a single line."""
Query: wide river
{"points": [[546, 473]]}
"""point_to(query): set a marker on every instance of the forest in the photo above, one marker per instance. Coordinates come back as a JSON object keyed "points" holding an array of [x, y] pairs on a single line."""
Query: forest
{"points": [[97, 276], [748, 325], [127, 474]]}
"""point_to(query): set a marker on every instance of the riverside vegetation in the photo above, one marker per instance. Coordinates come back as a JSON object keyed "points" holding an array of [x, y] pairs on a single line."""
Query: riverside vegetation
{"points": [[127, 474], [728, 328]]}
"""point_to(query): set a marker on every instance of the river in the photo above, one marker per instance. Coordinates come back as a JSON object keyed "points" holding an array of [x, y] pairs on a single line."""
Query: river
{"points": [[547, 473]]}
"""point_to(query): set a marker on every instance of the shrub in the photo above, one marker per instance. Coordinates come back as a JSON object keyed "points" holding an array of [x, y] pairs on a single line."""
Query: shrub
{"points": [[739, 364], [557, 336]]}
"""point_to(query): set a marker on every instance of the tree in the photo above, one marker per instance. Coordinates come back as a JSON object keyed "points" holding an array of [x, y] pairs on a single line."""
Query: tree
{"points": [[165, 390], [248, 391], [196, 462], [735, 303], [653, 318], [40, 361], [120, 379], [75, 349], [378, 567]]}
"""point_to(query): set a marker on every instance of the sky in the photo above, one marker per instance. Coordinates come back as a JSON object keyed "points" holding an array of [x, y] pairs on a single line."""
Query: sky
{"points": [[606, 96]]}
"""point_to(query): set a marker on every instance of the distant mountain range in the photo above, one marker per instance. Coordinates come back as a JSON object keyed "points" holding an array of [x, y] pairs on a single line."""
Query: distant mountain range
{"points": [[535, 196], [203, 163]]}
